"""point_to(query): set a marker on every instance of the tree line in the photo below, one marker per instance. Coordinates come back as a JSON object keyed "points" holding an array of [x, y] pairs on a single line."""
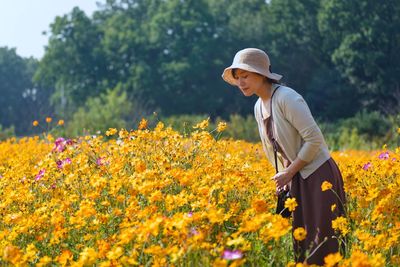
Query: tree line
{"points": [[133, 57]]}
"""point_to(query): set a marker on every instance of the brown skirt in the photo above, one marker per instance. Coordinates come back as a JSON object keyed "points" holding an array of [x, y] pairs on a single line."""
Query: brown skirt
{"points": [[314, 212]]}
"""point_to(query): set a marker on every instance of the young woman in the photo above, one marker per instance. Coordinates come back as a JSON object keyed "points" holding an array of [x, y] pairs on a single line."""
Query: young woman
{"points": [[304, 159]]}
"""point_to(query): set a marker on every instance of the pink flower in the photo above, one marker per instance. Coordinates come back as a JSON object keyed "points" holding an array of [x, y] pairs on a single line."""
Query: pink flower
{"points": [[367, 166], [384, 155], [232, 254], [102, 161], [190, 214], [193, 231], [40, 174], [61, 144], [62, 163]]}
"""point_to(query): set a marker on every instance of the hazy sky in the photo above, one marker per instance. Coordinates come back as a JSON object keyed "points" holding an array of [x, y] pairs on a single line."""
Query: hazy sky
{"points": [[23, 21]]}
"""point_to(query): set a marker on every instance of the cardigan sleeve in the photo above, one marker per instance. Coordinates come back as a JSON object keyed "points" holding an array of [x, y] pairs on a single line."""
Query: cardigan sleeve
{"points": [[299, 115]]}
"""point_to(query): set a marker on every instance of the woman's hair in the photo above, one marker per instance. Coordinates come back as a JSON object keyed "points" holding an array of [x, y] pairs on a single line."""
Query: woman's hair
{"points": [[268, 79]]}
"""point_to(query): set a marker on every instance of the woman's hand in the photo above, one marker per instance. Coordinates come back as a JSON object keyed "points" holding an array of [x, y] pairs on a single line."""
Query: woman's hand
{"points": [[281, 179], [284, 177]]}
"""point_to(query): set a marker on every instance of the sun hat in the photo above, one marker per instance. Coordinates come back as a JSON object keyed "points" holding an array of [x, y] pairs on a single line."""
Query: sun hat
{"points": [[253, 60]]}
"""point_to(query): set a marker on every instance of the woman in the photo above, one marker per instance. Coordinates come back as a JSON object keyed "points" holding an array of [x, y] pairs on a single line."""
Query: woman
{"points": [[304, 160]]}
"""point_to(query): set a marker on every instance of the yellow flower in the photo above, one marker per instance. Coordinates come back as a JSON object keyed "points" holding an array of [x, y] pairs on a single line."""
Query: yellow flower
{"points": [[31, 252], [340, 224], [65, 258], [202, 125], [398, 130], [111, 131], [291, 204], [12, 254], [300, 233], [44, 261], [260, 205], [377, 260], [61, 122], [333, 207], [221, 126], [115, 253], [48, 119], [88, 256], [326, 186], [332, 259], [236, 241], [35, 123], [142, 124]]}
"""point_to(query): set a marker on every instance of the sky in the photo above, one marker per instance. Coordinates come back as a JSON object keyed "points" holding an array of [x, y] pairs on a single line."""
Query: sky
{"points": [[22, 22]]}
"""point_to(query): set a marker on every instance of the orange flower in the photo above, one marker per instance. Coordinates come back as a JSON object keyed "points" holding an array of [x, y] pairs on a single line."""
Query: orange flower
{"points": [[291, 204], [35, 123], [221, 126], [48, 119], [300, 234], [326, 186], [65, 257], [259, 205], [332, 259], [142, 124]]}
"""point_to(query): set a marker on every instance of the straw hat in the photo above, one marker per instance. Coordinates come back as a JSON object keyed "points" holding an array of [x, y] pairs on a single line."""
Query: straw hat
{"points": [[253, 60]]}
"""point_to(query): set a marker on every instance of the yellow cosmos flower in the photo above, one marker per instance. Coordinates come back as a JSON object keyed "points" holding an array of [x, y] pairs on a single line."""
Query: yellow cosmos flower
{"points": [[111, 131], [142, 124], [291, 204], [221, 126], [44, 261], [35, 123], [333, 207], [61, 122], [341, 224], [299, 234], [202, 125], [65, 258], [48, 119], [88, 256], [12, 254], [332, 259], [173, 195], [260, 205], [326, 186]]}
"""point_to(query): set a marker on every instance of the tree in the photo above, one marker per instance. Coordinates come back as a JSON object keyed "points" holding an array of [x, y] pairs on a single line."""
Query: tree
{"points": [[73, 63], [364, 40], [21, 101], [297, 51]]}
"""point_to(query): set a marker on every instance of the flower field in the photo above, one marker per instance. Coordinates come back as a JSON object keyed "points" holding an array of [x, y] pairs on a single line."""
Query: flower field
{"points": [[159, 198]]}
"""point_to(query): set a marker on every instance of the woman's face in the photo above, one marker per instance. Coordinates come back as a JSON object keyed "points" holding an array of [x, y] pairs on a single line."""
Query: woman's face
{"points": [[249, 82]]}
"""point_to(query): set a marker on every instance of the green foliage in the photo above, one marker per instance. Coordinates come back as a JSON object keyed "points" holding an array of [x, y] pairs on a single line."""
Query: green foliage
{"points": [[366, 130], [73, 63], [6, 133], [109, 110], [363, 39], [341, 56], [238, 127], [20, 99], [184, 123]]}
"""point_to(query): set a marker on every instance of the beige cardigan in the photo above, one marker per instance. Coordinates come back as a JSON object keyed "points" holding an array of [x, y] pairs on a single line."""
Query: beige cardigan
{"points": [[295, 130]]}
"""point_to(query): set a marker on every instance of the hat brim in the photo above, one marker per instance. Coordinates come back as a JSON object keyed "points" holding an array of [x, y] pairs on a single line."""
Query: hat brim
{"points": [[228, 77]]}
